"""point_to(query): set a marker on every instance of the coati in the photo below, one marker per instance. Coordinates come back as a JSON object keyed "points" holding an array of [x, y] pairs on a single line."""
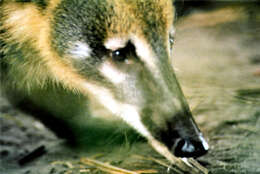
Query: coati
{"points": [[99, 57]]}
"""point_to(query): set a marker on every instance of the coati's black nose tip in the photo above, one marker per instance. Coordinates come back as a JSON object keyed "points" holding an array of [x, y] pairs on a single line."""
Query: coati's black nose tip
{"points": [[190, 148]]}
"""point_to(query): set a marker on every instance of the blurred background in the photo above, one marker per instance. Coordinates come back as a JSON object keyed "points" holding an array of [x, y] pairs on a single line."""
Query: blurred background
{"points": [[217, 59]]}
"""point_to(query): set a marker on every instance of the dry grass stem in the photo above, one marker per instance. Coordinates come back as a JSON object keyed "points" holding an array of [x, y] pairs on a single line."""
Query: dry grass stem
{"points": [[160, 162], [150, 171], [64, 163], [195, 166], [84, 171], [106, 167], [193, 162]]}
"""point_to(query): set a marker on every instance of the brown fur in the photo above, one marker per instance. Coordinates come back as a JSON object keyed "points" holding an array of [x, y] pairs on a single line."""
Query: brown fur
{"points": [[125, 22], [27, 23]]}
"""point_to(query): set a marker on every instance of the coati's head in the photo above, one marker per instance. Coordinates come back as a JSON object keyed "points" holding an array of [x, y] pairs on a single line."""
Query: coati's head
{"points": [[121, 52]]}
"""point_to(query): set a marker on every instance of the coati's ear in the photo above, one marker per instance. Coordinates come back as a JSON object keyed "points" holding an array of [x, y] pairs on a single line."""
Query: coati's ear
{"points": [[178, 5], [40, 3]]}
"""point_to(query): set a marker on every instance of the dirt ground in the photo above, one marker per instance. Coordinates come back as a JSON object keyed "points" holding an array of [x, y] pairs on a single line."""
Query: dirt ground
{"points": [[217, 61]]}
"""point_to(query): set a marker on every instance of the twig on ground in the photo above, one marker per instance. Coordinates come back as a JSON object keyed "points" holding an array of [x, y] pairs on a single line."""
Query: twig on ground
{"points": [[36, 153]]}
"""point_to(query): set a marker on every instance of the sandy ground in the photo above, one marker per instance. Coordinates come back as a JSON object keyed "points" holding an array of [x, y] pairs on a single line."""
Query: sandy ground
{"points": [[217, 61]]}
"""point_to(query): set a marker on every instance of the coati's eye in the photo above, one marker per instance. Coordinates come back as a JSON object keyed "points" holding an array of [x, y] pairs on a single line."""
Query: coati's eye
{"points": [[122, 54], [171, 40], [171, 37], [119, 55]]}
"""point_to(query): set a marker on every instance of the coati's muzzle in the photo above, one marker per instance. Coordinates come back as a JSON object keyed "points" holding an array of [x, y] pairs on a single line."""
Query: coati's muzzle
{"points": [[166, 113], [184, 141], [150, 85]]}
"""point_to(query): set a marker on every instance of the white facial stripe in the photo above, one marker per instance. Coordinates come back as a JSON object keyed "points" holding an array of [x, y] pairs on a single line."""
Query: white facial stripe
{"points": [[162, 149], [115, 43], [145, 53], [80, 51], [131, 115], [113, 74], [103, 96], [127, 112]]}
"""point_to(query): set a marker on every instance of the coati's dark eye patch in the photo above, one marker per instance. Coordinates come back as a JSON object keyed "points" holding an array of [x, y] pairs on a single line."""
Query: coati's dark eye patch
{"points": [[122, 54]]}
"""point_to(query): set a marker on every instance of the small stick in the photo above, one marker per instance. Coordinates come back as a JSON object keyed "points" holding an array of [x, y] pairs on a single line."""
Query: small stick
{"points": [[32, 155]]}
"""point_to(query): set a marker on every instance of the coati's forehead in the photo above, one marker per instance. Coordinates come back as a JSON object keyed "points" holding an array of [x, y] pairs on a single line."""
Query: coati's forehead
{"points": [[140, 16], [95, 21]]}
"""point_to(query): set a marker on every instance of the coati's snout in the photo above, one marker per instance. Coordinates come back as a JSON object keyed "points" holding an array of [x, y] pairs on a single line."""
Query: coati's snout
{"points": [[184, 147], [185, 143], [181, 135]]}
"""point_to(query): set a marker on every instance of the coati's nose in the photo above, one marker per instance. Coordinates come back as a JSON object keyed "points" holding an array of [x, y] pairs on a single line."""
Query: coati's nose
{"points": [[191, 148]]}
